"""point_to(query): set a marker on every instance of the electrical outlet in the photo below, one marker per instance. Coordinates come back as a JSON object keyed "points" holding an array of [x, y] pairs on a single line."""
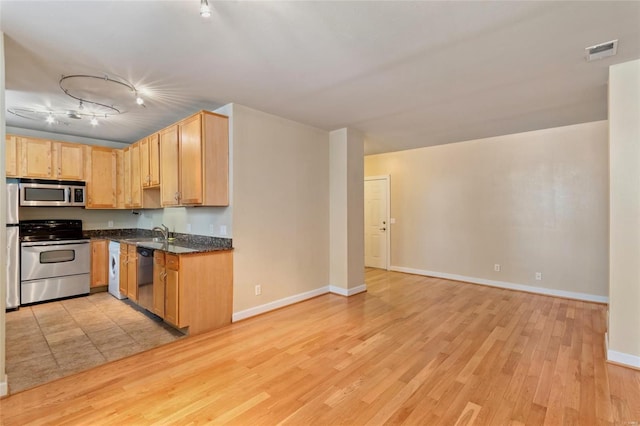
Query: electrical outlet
{"points": [[211, 228], [223, 229], [188, 227], [539, 276], [110, 224], [497, 267], [258, 290]]}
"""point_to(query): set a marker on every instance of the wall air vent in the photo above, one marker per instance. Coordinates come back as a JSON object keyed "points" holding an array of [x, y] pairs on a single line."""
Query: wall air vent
{"points": [[602, 50]]}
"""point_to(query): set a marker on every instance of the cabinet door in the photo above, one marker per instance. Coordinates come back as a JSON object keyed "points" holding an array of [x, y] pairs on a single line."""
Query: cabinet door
{"points": [[159, 276], [68, 161], [154, 159], [132, 273], [145, 176], [120, 179], [172, 292], [169, 167], [136, 183], [191, 160], [101, 182], [124, 276], [35, 158], [126, 161], [99, 263], [11, 156]]}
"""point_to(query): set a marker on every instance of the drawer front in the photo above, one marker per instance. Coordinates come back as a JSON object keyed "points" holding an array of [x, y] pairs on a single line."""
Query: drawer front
{"points": [[158, 257], [172, 262]]}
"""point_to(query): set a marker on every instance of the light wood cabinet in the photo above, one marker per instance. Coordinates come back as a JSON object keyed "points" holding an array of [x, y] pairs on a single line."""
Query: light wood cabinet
{"points": [[11, 156], [124, 276], [99, 263], [126, 171], [175, 310], [101, 173], [201, 145], [120, 179], [169, 166], [35, 158], [132, 272], [150, 161], [40, 158], [159, 282], [136, 184], [199, 290], [68, 161]]}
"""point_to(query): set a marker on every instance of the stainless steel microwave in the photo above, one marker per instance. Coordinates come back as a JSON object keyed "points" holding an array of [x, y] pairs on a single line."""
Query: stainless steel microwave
{"points": [[52, 193]]}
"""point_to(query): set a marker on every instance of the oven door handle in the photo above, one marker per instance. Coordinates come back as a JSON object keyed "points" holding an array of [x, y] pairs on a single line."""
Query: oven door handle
{"points": [[54, 243]]}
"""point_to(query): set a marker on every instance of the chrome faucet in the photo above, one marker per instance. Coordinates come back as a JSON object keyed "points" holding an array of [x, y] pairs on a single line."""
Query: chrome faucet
{"points": [[163, 230]]}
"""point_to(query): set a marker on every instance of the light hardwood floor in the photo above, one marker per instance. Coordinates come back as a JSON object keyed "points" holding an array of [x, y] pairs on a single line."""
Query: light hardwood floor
{"points": [[411, 350]]}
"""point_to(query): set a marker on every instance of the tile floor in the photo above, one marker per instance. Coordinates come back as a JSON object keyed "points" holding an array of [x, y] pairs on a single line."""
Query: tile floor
{"points": [[56, 339]]}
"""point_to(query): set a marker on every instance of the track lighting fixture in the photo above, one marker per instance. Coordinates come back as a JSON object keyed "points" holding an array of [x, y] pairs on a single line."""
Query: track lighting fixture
{"points": [[97, 96]]}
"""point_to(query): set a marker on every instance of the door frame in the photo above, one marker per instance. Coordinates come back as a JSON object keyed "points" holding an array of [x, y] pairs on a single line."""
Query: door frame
{"points": [[387, 179]]}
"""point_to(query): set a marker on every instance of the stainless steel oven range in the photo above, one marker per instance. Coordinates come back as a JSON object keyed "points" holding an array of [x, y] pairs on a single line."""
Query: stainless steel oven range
{"points": [[55, 260]]}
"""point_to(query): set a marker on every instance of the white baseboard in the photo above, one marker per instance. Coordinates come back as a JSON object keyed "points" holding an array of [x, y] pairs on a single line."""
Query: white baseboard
{"points": [[622, 358], [281, 303], [276, 304], [348, 291], [4, 386], [502, 284]]}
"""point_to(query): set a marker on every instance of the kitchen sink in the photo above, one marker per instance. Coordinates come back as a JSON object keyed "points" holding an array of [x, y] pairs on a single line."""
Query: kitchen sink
{"points": [[143, 240], [158, 243]]}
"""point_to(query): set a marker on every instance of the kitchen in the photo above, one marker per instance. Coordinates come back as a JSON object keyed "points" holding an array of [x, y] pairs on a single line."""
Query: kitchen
{"points": [[183, 279]]}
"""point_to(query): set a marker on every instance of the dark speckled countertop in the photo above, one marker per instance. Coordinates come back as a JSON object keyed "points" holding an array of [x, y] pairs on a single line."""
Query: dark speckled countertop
{"points": [[182, 243]]}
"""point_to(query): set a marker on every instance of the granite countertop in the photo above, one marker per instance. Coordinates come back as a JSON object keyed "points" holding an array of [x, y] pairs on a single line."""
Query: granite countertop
{"points": [[181, 244]]}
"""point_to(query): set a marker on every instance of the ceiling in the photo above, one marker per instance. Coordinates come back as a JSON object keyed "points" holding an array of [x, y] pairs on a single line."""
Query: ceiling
{"points": [[407, 74]]}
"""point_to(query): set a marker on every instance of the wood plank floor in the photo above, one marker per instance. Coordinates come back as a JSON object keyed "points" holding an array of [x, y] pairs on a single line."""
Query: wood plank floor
{"points": [[412, 350]]}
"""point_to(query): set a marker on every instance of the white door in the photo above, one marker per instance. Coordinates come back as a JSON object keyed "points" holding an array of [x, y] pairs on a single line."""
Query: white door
{"points": [[376, 222]]}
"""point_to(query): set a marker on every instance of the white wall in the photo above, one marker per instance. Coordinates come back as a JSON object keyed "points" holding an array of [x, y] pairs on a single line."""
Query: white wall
{"points": [[3, 230], [624, 278], [280, 211], [531, 202]]}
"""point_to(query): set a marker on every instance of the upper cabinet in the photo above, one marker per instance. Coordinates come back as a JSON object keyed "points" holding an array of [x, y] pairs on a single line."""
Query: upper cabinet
{"points": [[35, 158], [150, 159], [186, 164], [11, 156], [68, 161], [101, 172], [41, 158], [201, 145]]}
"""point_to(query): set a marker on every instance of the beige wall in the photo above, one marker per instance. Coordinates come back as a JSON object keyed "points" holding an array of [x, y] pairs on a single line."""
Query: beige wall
{"points": [[346, 150], [624, 278], [280, 208], [531, 202]]}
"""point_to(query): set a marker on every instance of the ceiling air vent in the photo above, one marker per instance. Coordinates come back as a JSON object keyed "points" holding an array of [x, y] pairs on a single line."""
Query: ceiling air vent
{"points": [[602, 50]]}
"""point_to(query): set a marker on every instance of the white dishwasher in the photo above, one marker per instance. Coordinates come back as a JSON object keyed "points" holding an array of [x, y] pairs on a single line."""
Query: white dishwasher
{"points": [[114, 270]]}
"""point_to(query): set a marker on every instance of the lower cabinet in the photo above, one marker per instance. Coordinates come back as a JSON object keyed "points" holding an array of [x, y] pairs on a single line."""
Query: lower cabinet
{"points": [[193, 290], [99, 263], [132, 272], [129, 271], [159, 276]]}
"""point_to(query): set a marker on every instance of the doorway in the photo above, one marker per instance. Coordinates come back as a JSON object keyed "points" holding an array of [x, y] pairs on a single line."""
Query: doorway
{"points": [[376, 222]]}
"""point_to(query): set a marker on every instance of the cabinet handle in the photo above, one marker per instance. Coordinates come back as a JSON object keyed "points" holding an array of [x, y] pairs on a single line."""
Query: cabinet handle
{"points": [[59, 172], [177, 196]]}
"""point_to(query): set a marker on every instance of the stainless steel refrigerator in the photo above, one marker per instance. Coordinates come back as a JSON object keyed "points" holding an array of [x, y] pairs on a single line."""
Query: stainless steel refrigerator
{"points": [[13, 246]]}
